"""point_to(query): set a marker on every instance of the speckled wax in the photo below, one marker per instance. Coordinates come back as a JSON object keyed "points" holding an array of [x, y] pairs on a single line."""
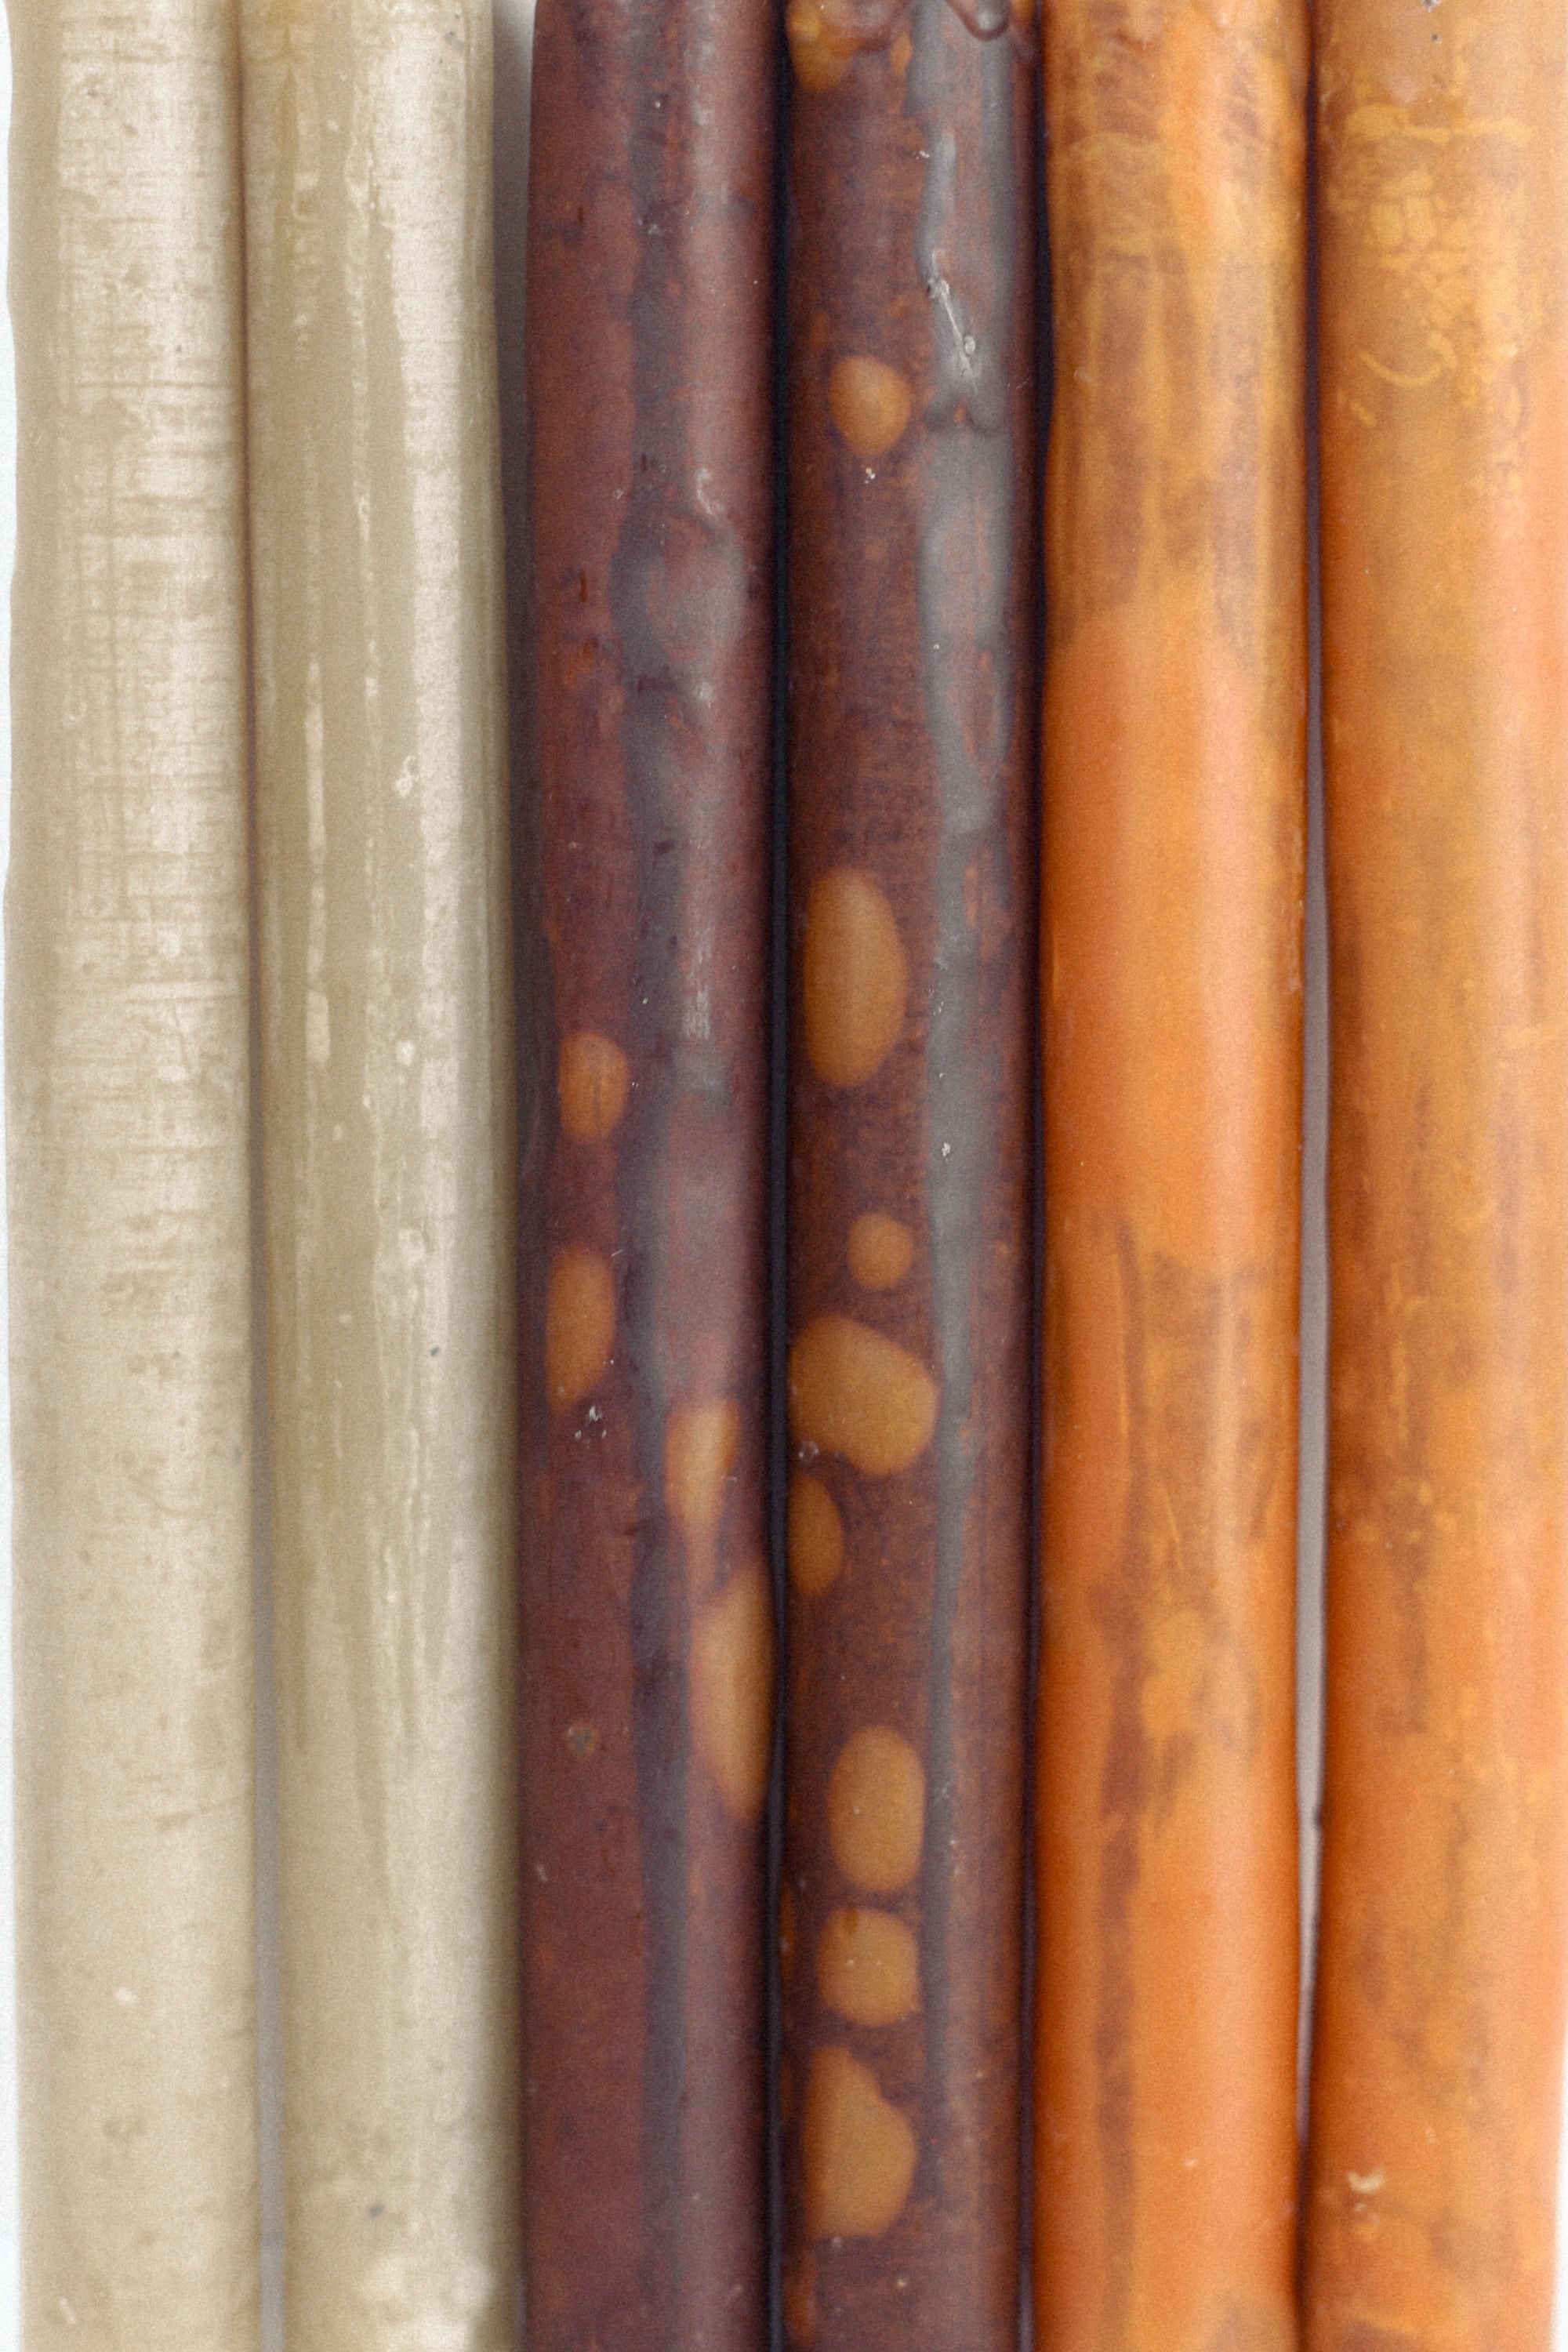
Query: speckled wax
{"points": [[913, 683], [383, 903], [646, 799], [127, 1080]]}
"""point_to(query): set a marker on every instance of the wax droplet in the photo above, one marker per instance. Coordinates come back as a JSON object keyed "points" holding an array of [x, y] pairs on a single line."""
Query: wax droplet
{"points": [[824, 35], [732, 1690], [869, 401], [819, 64], [868, 1966], [880, 1252], [876, 1810], [579, 1324], [856, 1393], [854, 977], [815, 1536], [800, 2299], [592, 1082], [857, 2150], [699, 1448]]}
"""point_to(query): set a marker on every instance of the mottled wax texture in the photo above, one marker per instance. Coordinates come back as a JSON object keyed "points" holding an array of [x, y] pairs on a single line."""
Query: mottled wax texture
{"points": [[913, 690], [129, 1184], [648, 1637], [1171, 968], [1437, 2057], [390, 1162]]}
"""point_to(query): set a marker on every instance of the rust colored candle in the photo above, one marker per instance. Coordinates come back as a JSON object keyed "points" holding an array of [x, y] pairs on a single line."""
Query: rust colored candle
{"points": [[1174, 768], [647, 1612], [912, 746], [1440, 1997]]}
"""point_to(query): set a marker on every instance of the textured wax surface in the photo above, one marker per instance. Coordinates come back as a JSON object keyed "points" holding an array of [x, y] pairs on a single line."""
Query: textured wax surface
{"points": [[1436, 2066], [1175, 756], [387, 1090], [913, 638], [647, 1633], [129, 1190]]}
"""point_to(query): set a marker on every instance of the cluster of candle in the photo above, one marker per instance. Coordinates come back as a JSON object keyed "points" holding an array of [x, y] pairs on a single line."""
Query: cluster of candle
{"points": [[251, 287], [728, 1391]]}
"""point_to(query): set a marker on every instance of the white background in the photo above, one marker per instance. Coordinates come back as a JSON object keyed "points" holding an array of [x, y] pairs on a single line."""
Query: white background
{"points": [[514, 20]]}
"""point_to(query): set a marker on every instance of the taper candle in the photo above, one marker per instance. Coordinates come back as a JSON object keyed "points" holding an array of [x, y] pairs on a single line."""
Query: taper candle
{"points": [[913, 633], [647, 1630], [384, 895], [1438, 2039], [127, 1095], [1175, 858]]}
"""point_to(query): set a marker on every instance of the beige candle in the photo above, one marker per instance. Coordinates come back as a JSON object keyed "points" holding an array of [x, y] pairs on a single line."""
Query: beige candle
{"points": [[389, 1156], [127, 1104]]}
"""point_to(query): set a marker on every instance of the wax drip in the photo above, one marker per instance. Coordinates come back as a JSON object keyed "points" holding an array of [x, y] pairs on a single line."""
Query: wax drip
{"points": [[985, 18]]}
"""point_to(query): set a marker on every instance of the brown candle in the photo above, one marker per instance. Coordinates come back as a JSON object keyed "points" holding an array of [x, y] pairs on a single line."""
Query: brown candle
{"points": [[648, 1615], [129, 1184], [388, 1101], [1437, 2058], [912, 763]]}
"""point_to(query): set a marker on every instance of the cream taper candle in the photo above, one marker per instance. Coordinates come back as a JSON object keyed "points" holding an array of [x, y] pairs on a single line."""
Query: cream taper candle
{"points": [[128, 1166], [388, 1147]]}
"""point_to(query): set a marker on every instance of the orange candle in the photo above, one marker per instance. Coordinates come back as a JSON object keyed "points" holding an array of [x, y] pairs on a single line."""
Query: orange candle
{"points": [[1174, 790], [1438, 2056]]}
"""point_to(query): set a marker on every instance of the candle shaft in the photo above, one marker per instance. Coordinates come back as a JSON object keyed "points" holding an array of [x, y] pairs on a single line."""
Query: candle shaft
{"points": [[1438, 2056], [129, 1184], [388, 1102], [647, 1631], [1175, 856], [913, 640]]}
